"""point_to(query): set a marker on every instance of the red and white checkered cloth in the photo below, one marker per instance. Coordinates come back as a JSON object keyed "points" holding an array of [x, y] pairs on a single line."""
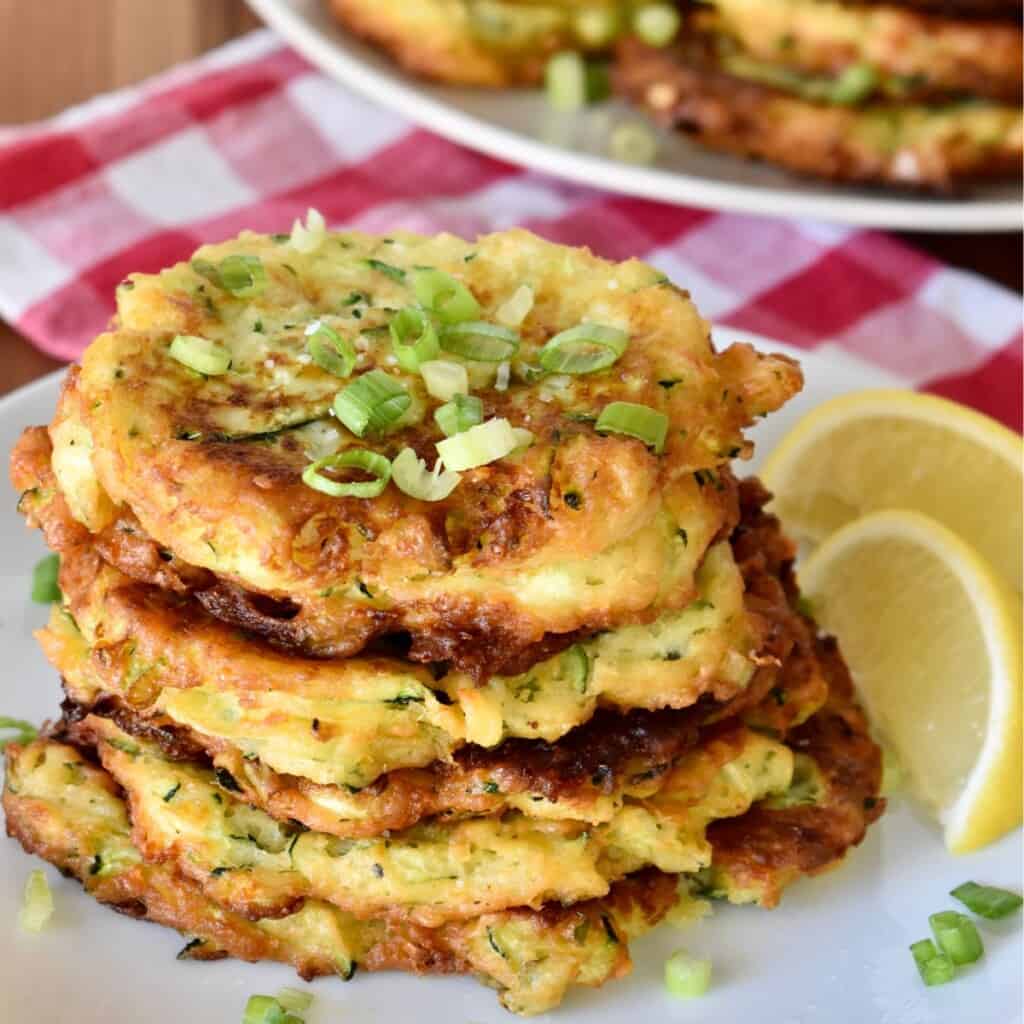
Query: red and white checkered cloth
{"points": [[251, 136]]}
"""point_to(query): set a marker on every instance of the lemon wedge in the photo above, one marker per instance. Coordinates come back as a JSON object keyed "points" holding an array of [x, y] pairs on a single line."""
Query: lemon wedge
{"points": [[896, 449], [932, 636]]}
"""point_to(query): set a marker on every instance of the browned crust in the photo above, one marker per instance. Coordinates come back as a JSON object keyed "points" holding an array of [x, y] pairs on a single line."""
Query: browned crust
{"points": [[684, 89]]}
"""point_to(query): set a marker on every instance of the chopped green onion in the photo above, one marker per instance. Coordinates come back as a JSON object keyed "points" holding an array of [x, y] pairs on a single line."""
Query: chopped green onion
{"points": [[330, 351], [37, 907], [242, 275], [45, 589], [295, 1000], [987, 901], [413, 338], [478, 446], [855, 84], [892, 771], [263, 1010], [656, 24], [481, 341], [633, 420], [395, 273], [687, 977], [444, 379], [371, 402], [565, 81], [461, 413], [934, 967], [596, 27], [352, 458], [412, 477], [308, 237], [956, 936], [24, 732], [514, 310], [584, 348], [447, 298], [199, 354], [633, 142], [522, 437]]}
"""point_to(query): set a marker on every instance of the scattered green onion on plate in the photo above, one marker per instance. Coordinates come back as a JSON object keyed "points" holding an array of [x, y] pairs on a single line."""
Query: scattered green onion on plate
{"points": [[45, 589], [329, 350], [687, 977], [633, 142], [987, 901], [585, 348], [295, 1000], [24, 732], [634, 420], [458, 415], [956, 936], [200, 354], [371, 402], [571, 82], [934, 967], [37, 906], [377, 466]]}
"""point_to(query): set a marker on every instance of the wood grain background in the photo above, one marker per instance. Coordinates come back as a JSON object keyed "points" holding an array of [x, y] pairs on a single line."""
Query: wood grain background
{"points": [[59, 52]]}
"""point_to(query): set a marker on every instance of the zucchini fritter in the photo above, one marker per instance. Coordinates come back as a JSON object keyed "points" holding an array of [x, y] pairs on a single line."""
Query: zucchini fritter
{"points": [[913, 146], [528, 546]]}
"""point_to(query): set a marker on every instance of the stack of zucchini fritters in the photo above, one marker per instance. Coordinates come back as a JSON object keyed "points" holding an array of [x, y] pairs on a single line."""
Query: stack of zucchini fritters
{"points": [[501, 730]]}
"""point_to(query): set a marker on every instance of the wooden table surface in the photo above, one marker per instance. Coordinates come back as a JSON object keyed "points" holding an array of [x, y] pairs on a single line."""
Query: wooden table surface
{"points": [[95, 45]]}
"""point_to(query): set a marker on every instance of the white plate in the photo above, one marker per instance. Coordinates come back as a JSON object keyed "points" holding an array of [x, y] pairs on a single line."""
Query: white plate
{"points": [[835, 952], [517, 125]]}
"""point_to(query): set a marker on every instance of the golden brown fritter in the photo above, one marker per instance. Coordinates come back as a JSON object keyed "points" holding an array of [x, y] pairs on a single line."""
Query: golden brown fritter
{"points": [[531, 544], [912, 146]]}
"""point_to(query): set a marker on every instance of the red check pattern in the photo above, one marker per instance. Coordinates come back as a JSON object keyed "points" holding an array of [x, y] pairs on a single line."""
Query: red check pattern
{"points": [[251, 136]]}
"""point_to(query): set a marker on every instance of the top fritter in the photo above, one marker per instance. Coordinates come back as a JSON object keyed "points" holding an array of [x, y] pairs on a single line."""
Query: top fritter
{"points": [[258, 416]]}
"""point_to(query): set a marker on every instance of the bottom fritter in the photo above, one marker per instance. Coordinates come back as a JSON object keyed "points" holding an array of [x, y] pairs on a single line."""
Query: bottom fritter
{"points": [[915, 146], [64, 807]]}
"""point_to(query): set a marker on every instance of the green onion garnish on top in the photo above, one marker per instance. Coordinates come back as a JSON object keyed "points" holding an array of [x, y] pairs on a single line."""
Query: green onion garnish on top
{"points": [[413, 338], [934, 967], [199, 354], [45, 589], [687, 977], [633, 420], [377, 466], [596, 26], [656, 24], [371, 402], [567, 82], [480, 341], [585, 348], [956, 936], [37, 907], [266, 1010], [461, 413], [411, 476], [444, 379], [447, 298], [987, 901], [633, 142], [329, 350], [295, 1000], [480, 445], [239, 274], [24, 732]]}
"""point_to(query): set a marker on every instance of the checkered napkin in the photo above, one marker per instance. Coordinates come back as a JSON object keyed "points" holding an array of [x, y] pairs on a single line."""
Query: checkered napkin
{"points": [[250, 136]]}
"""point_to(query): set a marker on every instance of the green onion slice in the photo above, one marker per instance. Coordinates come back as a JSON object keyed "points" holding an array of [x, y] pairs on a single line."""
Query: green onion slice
{"points": [[24, 732], [956, 936], [458, 415], [596, 27], [37, 907], [656, 24], [330, 351], [478, 446], [633, 142], [351, 458], [515, 309], [263, 1010], [295, 1000], [565, 81], [199, 354], [45, 589], [987, 901], [585, 348], [412, 477], [633, 420], [413, 338], [371, 402], [934, 967], [444, 379], [447, 298], [687, 977], [481, 341]]}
